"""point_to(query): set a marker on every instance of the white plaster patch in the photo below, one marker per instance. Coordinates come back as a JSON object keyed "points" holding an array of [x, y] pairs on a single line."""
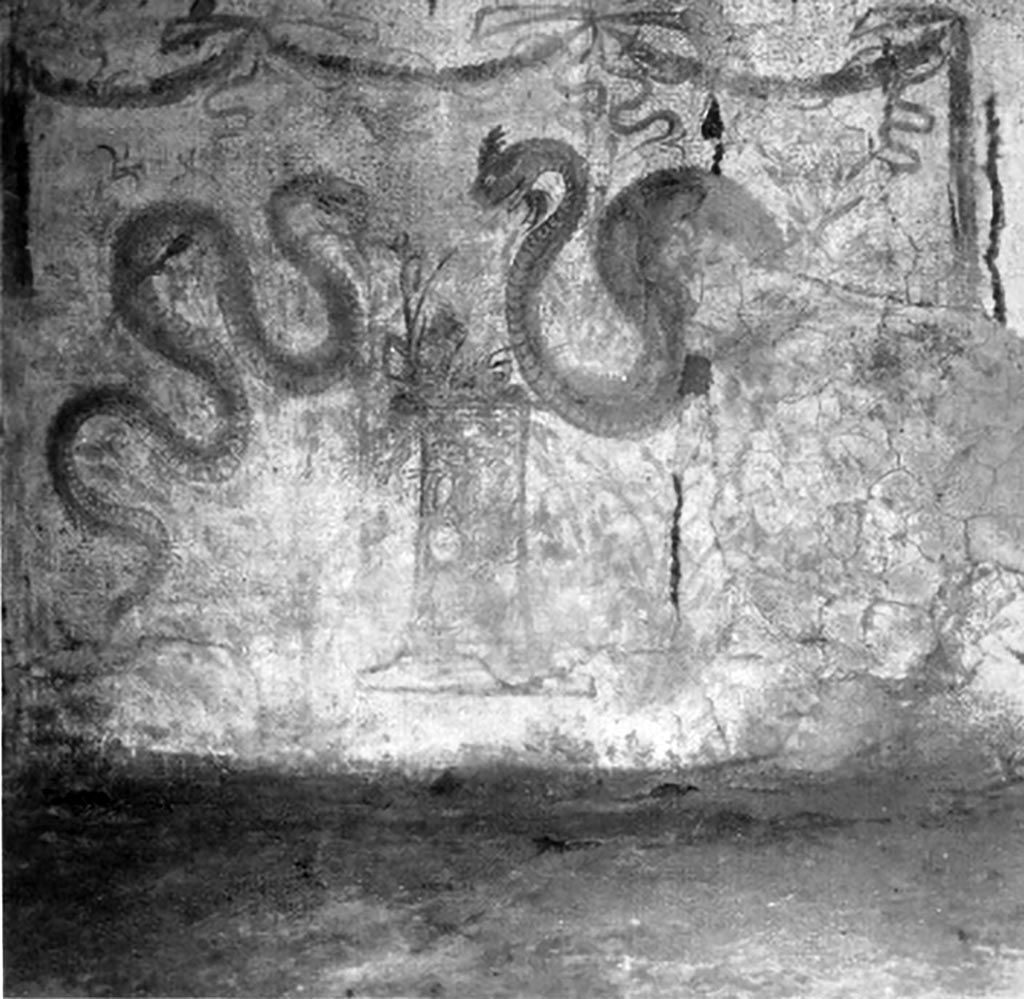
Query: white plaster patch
{"points": [[988, 541], [899, 635], [998, 655]]}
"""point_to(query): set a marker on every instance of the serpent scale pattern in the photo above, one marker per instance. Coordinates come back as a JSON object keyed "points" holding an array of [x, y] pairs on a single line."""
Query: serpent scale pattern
{"points": [[626, 257]]}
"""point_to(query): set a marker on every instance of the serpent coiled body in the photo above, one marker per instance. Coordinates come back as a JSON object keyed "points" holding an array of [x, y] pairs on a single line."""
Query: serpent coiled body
{"points": [[630, 236], [141, 247]]}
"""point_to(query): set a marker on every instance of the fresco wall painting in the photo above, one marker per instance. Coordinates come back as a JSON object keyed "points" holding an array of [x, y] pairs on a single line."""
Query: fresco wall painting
{"points": [[517, 442]]}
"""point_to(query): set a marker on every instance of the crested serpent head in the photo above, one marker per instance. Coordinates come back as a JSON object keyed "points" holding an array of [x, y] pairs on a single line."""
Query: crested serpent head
{"points": [[509, 176], [491, 148], [498, 177]]}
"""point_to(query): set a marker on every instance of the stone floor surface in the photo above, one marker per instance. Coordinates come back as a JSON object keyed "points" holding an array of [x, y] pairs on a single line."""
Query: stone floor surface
{"points": [[201, 881]]}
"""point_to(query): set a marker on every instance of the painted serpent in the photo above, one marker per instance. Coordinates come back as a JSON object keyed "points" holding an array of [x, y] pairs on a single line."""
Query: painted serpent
{"points": [[142, 246], [636, 255]]}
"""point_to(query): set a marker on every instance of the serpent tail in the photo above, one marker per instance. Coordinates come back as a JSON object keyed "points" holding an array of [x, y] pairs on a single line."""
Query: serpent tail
{"points": [[89, 509]]}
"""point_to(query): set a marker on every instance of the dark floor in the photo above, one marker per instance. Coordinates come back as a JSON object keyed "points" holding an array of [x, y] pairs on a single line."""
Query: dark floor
{"points": [[203, 882]]}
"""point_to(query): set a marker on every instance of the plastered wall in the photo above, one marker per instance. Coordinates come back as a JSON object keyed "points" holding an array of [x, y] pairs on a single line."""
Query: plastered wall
{"points": [[619, 384]]}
